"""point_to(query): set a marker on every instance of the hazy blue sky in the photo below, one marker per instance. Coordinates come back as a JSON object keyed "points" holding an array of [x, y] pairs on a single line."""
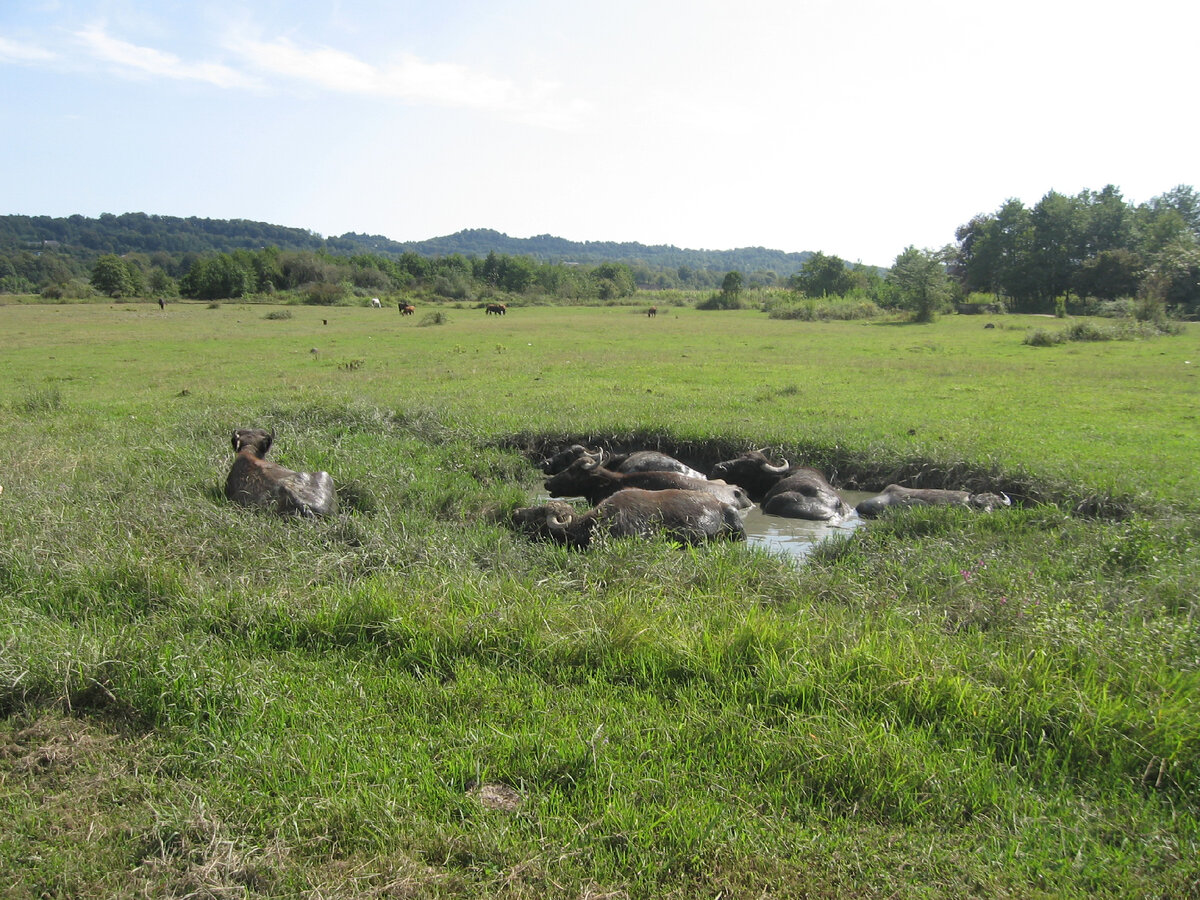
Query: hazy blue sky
{"points": [[855, 128]]}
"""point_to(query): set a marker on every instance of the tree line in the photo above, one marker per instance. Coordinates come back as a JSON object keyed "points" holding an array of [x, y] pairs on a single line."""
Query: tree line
{"points": [[1079, 250], [44, 251], [1093, 246], [323, 278]]}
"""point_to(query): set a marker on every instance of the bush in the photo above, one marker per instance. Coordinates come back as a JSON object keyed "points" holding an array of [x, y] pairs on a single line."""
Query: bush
{"points": [[279, 314], [75, 289], [721, 301], [323, 293], [1040, 337], [826, 309], [1084, 330]]}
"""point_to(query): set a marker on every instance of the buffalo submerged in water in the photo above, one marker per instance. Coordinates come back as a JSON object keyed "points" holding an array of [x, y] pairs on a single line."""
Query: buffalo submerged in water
{"points": [[793, 492], [896, 496], [634, 461], [692, 517], [589, 479]]}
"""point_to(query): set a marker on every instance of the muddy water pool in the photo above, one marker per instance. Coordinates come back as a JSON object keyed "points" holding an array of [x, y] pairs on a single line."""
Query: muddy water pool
{"points": [[793, 537], [798, 537]]}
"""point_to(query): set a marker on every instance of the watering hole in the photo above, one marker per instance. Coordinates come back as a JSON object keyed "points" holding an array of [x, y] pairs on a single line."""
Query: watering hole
{"points": [[793, 537], [798, 537]]}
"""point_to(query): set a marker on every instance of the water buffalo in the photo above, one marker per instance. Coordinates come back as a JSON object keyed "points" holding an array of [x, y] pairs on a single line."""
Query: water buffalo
{"points": [[795, 492], [637, 461], [688, 516], [895, 495], [253, 481], [495, 309], [587, 478], [652, 312]]}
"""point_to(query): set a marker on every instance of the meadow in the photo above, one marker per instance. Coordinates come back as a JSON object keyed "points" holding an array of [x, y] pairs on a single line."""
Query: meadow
{"points": [[410, 700]]}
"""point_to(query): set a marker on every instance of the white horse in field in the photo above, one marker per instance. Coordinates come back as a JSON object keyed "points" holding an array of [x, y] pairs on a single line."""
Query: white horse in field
{"points": [[375, 304]]}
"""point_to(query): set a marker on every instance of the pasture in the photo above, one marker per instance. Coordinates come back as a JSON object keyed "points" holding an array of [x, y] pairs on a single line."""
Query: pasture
{"points": [[409, 699]]}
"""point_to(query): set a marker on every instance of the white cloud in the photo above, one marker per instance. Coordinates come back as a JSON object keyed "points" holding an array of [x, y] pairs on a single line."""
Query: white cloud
{"points": [[148, 61], [412, 80], [12, 51]]}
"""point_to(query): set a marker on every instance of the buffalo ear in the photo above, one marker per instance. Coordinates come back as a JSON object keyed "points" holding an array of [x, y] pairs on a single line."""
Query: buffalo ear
{"points": [[236, 441], [268, 442]]}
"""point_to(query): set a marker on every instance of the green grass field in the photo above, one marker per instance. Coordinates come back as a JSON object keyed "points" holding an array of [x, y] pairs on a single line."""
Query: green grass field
{"points": [[410, 700]]}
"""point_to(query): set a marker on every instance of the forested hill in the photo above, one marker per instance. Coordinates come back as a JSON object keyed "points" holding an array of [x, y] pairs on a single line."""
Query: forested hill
{"points": [[547, 248], [142, 233]]}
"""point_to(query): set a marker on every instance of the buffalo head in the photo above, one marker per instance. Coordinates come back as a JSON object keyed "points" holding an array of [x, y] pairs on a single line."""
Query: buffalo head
{"points": [[753, 471], [256, 440]]}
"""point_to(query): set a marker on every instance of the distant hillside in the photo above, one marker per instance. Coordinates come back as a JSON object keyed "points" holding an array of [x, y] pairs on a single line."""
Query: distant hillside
{"points": [[547, 248], [142, 233]]}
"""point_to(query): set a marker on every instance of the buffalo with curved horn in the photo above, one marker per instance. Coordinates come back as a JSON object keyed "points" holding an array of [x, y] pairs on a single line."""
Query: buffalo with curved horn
{"points": [[688, 516], [587, 478], [635, 461], [795, 492]]}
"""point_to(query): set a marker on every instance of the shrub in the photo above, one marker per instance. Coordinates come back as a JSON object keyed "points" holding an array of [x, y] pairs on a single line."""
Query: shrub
{"points": [[1084, 330], [75, 289], [1040, 337], [825, 309], [721, 300], [323, 293], [279, 314]]}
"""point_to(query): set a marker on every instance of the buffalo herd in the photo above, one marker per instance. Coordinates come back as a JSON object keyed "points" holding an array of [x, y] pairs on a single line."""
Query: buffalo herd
{"points": [[639, 493], [646, 492]]}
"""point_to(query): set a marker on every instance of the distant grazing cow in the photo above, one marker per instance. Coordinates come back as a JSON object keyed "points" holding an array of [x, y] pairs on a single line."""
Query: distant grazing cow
{"points": [[375, 304], [407, 309], [688, 516], [495, 309], [652, 311], [895, 495], [253, 481], [587, 478]]}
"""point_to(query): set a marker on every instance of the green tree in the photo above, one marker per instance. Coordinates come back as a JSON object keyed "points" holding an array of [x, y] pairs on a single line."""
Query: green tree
{"points": [[1109, 274], [1056, 245], [613, 280], [1174, 275], [731, 285], [1183, 200], [160, 283], [111, 276], [516, 273], [921, 283], [823, 276], [218, 277]]}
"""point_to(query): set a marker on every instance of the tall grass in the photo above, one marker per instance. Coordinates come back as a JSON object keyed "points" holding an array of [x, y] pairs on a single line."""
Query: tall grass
{"points": [[409, 699]]}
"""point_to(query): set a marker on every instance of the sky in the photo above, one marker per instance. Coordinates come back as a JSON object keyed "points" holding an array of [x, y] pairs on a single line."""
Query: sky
{"points": [[852, 128]]}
